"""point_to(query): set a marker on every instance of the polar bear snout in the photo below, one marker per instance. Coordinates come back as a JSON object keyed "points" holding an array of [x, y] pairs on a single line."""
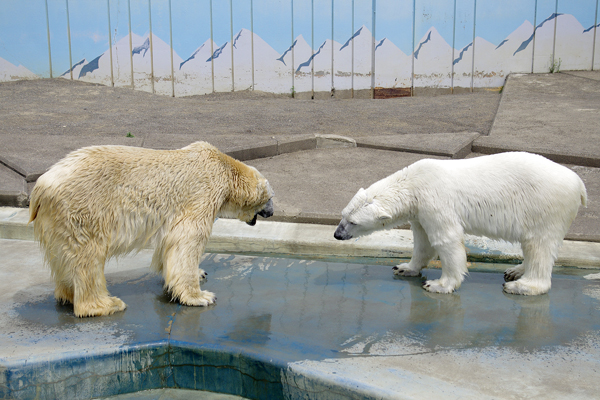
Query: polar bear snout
{"points": [[342, 231], [268, 210]]}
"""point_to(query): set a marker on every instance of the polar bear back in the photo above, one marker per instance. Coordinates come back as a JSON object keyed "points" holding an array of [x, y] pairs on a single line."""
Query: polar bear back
{"points": [[513, 196], [147, 178], [127, 194]]}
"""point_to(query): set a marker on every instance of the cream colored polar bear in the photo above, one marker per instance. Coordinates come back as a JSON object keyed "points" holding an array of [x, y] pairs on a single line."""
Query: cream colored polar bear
{"points": [[518, 197], [104, 201]]}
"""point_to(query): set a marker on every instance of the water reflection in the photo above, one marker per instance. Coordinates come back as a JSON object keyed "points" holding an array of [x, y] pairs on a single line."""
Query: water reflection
{"points": [[310, 309], [534, 318], [253, 330], [318, 309]]}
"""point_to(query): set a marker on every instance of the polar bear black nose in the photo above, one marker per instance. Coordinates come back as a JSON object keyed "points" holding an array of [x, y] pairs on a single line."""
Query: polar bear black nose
{"points": [[268, 210], [341, 233]]}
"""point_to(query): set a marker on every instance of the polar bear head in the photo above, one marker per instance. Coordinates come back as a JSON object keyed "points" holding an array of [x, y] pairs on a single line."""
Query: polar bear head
{"points": [[265, 210], [367, 212], [251, 195], [386, 204]]}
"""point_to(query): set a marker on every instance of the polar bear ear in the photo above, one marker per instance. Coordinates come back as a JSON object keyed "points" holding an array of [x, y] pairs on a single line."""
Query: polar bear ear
{"points": [[383, 216]]}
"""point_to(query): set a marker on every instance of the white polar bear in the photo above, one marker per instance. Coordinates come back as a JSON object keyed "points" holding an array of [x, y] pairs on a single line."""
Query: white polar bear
{"points": [[104, 201], [518, 197]]}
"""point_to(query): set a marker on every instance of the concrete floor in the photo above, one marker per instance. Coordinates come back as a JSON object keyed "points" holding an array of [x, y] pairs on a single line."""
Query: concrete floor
{"points": [[555, 115], [287, 328]]}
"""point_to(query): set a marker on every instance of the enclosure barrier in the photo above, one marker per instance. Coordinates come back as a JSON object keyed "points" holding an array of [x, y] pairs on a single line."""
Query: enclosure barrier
{"points": [[317, 48]]}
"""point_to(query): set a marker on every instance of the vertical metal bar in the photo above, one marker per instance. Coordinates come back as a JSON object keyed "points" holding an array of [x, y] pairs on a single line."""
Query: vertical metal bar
{"points": [[534, 32], [453, 46], [594, 40], [151, 46], [312, 48], [332, 50], [412, 75], [69, 36], [112, 79], [554, 40], [352, 61], [48, 32], [373, 22], [171, 44], [130, 44], [293, 51], [212, 50], [252, 38], [231, 44], [473, 57]]}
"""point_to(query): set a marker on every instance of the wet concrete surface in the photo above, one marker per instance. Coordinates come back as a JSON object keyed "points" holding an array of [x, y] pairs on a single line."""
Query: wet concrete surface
{"points": [[287, 328]]}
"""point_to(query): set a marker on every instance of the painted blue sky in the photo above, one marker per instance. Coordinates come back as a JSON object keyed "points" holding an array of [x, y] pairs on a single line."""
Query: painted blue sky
{"points": [[23, 38]]}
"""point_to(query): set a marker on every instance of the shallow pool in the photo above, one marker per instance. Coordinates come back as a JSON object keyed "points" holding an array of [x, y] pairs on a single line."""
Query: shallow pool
{"points": [[287, 328]]}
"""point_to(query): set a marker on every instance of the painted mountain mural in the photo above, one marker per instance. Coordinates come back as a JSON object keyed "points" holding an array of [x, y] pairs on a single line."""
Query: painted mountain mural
{"points": [[147, 61], [11, 72], [248, 61]]}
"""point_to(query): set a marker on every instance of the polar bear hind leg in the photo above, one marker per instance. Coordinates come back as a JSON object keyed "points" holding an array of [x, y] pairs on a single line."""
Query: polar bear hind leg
{"points": [[538, 259], [90, 296], [64, 292], [423, 252]]}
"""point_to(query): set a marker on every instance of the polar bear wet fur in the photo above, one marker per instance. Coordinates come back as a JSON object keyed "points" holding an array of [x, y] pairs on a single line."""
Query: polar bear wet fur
{"points": [[518, 197], [105, 201]]}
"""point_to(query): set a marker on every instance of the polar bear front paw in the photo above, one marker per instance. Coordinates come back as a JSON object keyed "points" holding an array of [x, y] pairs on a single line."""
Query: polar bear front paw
{"points": [[405, 270], [514, 273], [201, 298], [526, 288], [436, 286]]}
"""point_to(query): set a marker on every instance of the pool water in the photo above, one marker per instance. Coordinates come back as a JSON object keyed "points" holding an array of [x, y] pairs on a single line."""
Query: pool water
{"points": [[288, 328]]}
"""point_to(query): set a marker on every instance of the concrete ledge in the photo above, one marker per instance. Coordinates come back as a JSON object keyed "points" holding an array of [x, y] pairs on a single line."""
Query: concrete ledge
{"points": [[453, 145], [317, 241], [292, 146], [334, 141], [308, 142], [305, 240], [252, 153], [309, 240], [13, 224], [15, 167], [307, 218], [491, 145], [14, 198]]}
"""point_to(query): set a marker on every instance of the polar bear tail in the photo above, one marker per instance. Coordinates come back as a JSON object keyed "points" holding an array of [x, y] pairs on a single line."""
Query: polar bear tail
{"points": [[34, 206]]}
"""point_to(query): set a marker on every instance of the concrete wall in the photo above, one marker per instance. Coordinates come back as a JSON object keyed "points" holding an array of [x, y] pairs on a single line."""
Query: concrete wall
{"points": [[187, 47]]}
